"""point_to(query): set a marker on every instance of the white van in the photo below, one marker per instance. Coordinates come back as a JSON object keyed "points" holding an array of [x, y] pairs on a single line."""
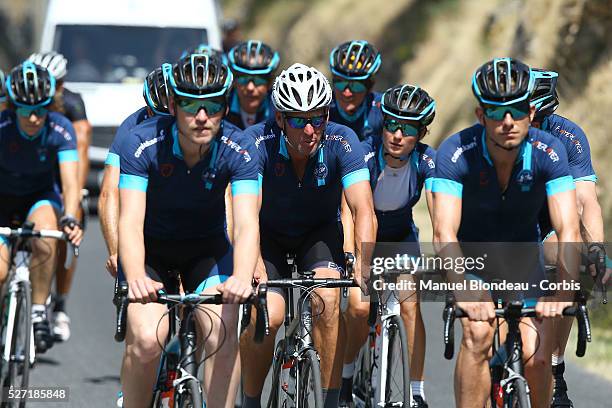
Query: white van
{"points": [[112, 45]]}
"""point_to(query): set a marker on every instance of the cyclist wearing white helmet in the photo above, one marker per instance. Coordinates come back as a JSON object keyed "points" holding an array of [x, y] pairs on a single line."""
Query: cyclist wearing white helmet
{"points": [[306, 164], [73, 108]]}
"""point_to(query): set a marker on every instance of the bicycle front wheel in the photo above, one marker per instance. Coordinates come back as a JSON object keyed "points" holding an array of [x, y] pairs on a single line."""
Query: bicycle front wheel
{"points": [[519, 395], [310, 393], [362, 379], [17, 375], [397, 381], [190, 395]]}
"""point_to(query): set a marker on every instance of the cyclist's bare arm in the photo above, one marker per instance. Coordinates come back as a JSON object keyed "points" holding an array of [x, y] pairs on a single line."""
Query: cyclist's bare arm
{"points": [[229, 219], [72, 195], [108, 208], [83, 131], [347, 226]]}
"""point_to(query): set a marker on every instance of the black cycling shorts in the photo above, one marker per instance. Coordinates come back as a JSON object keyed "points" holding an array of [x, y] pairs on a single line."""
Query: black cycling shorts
{"points": [[201, 263], [320, 248]]}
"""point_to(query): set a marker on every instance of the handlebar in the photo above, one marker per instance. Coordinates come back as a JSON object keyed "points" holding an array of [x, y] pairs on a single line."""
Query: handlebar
{"points": [[310, 282], [597, 257], [516, 311], [29, 232]]}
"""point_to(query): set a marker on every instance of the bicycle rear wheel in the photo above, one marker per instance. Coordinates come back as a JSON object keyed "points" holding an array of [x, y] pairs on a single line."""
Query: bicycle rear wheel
{"points": [[397, 385], [18, 370], [310, 393], [362, 379]]}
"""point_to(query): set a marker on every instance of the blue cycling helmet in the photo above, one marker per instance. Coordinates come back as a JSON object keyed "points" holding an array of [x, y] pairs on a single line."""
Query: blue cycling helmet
{"points": [[204, 49], [502, 81], [200, 76], [30, 85], [2, 87], [409, 102], [253, 57], [155, 90], [544, 95], [355, 60]]}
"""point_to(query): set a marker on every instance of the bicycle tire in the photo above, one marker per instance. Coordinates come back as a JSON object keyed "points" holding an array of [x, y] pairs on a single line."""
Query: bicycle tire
{"points": [[191, 397], [397, 354], [276, 397], [19, 365], [519, 397], [310, 393], [362, 378]]}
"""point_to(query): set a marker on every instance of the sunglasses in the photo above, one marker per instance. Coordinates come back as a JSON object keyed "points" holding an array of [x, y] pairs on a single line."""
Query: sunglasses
{"points": [[257, 80], [518, 111], [407, 129], [353, 86], [27, 112], [300, 123], [193, 106]]}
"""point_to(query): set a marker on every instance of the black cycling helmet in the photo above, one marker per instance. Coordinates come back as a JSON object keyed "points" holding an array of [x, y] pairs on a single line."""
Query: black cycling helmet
{"points": [[544, 95], [502, 81], [200, 76], [30, 85], [355, 60], [409, 102], [2, 87], [253, 57], [204, 49], [155, 90]]}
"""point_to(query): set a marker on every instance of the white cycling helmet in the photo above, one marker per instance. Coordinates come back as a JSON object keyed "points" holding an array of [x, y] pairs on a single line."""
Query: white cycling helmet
{"points": [[53, 61], [301, 89]]}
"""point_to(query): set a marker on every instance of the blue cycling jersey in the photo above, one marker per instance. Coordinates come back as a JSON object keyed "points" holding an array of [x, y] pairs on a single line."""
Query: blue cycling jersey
{"points": [[366, 121], [264, 113], [27, 163], [398, 224], [464, 169], [576, 145], [293, 207], [136, 118], [182, 202]]}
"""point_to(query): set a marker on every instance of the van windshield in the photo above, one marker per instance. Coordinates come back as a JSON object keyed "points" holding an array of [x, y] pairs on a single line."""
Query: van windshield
{"points": [[116, 54]]}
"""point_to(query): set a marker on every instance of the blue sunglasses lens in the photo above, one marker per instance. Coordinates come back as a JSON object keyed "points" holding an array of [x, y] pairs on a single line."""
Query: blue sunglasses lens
{"points": [[27, 112], [300, 123], [257, 80], [194, 105], [353, 86], [499, 112], [407, 129]]}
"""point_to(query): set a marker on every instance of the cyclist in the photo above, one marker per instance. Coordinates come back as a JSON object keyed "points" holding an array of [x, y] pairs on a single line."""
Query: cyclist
{"points": [[155, 94], [174, 172], [546, 102], [32, 141], [204, 49], [253, 64], [2, 91], [306, 164], [491, 179], [354, 65], [73, 108], [400, 165]]}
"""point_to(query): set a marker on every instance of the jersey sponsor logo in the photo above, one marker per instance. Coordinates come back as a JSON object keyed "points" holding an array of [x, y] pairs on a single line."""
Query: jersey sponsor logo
{"points": [[346, 145], [61, 130], [525, 178], [166, 169], [571, 137], [334, 138], [460, 150], [321, 171], [7, 122], [279, 169], [148, 143], [545, 148], [261, 138], [429, 161], [236, 147], [368, 156], [335, 266]]}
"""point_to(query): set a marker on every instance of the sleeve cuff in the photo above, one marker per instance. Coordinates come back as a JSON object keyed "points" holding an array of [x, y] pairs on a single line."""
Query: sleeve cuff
{"points": [[441, 185], [429, 183], [592, 178], [112, 159], [559, 185], [355, 177], [68, 156], [130, 182], [245, 187]]}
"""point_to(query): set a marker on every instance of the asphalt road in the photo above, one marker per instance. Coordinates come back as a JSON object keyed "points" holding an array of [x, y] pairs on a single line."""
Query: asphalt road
{"points": [[89, 363]]}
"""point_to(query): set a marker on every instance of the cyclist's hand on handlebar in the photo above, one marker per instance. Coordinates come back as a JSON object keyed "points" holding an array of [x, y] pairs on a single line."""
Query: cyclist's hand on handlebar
{"points": [[111, 265], [235, 290], [71, 227], [478, 311], [548, 307], [143, 290]]}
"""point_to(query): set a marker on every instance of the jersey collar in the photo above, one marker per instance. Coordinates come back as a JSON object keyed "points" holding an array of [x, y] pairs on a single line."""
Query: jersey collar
{"points": [[520, 156], [413, 157]]}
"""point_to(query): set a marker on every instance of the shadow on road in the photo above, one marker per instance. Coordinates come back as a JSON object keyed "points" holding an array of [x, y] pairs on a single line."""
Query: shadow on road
{"points": [[102, 380]]}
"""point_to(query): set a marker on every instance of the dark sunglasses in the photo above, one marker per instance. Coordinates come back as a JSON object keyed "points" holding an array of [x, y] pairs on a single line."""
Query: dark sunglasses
{"points": [[194, 105], [27, 112], [518, 111], [300, 123], [257, 80], [407, 129], [353, 86]]}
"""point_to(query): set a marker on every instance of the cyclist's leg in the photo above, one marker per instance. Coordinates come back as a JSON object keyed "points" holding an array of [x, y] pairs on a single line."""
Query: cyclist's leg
{"points": [[147, 329], [355, 328], [537, 349], [257, 358], [472, 378], [322, 252], [415, 330], [4, 260]]}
